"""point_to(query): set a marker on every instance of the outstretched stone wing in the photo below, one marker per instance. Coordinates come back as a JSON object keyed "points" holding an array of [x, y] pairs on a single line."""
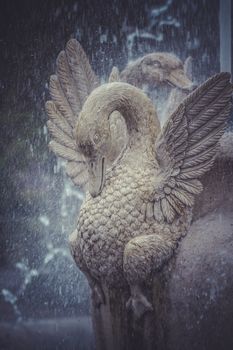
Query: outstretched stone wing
{"points": [[188, 143], [69, 87]]}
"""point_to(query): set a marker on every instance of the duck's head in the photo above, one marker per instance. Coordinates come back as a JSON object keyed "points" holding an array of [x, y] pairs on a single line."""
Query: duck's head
{"points": [[164, 68]]}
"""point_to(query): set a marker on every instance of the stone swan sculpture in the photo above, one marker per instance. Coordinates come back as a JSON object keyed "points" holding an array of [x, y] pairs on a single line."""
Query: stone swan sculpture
{"points": [[73, 82], [135, 214], [133, 218]]}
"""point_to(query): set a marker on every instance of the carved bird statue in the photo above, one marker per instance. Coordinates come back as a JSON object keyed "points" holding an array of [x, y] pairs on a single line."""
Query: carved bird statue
{"points": [[136, 211], [135, 214], [73, 82], [158, 68]]}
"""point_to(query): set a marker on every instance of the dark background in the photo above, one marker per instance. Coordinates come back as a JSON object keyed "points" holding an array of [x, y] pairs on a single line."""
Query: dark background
{"points": [[39, 205]]}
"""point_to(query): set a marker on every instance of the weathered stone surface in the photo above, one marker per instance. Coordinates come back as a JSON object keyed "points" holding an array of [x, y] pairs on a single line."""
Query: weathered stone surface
{"points": [[200, 288], [192, 301], [201, 283], [193, 304], [218, 183]]}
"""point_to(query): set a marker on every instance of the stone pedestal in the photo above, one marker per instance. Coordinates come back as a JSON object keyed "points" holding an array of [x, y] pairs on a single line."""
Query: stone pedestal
{"points": [[115, 327], [193, 306]]}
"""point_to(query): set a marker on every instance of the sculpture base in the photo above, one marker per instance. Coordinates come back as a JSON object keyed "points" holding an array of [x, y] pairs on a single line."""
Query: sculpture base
{"points": [[116, 328], [192, 301]]}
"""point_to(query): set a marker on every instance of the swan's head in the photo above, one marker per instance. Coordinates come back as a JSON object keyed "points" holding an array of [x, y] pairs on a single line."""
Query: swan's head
{"points": [[93, 139], [165, 68]]}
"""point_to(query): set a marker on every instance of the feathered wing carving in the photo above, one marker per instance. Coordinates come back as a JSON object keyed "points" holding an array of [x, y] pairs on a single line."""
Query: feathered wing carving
{"points": [[69, 87], [188, 143]]}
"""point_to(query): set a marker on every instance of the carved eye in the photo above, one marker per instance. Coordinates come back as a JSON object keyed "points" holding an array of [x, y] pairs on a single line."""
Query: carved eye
{"points": [[153, 63], [156, 64], [96, 138]]}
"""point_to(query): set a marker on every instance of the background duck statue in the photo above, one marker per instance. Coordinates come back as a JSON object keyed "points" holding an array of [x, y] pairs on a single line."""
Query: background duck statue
{"points": [[157, 68]]}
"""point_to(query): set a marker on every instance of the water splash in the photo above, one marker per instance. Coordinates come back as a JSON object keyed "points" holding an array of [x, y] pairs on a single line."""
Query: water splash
{"points": [[29, 274], [52, 253], [12, 299], [157, 18]]}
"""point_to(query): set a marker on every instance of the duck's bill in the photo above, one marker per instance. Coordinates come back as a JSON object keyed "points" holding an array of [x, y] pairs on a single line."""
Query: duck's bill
{"points": [[96, 172], [177, 78]]}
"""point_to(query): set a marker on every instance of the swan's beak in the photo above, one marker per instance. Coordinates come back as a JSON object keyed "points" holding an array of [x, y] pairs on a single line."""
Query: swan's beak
{"points": [[178, 78], [96, 172]]}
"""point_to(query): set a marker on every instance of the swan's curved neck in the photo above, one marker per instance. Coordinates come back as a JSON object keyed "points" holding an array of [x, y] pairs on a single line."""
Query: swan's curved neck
{"points": [[138, 111]]}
